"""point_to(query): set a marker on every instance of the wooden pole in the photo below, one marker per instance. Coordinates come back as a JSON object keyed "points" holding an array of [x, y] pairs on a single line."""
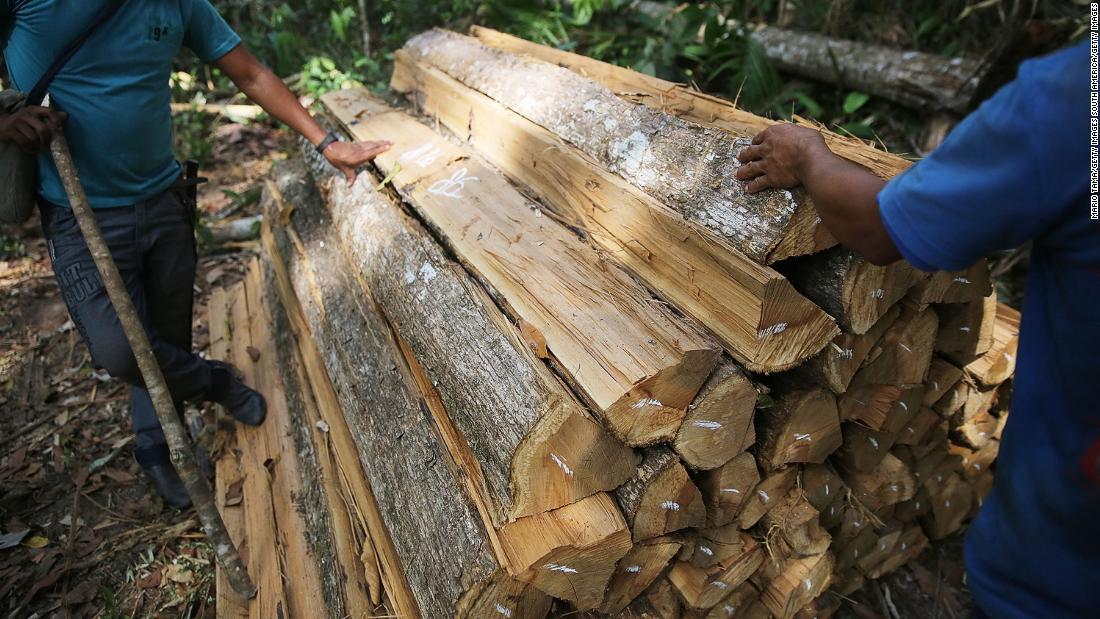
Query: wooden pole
{"points": [[182, 457]]}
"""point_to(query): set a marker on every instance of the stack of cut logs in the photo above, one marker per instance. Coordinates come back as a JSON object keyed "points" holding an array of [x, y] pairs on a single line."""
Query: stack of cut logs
{"points": [[581, 368]]}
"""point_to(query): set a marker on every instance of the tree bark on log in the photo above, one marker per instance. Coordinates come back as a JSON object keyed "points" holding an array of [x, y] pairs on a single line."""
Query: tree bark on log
{"points": [[445, 549], [853, 291], [760, 319], [536, 447], [719, 423], [660, 498], [915, 79], [687, 103], [687, 166], [637, 363], [381, 562]]}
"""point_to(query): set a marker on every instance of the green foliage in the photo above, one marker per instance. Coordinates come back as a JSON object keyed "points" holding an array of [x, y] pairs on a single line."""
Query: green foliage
{"points": [[193, 135], [854, 101]]}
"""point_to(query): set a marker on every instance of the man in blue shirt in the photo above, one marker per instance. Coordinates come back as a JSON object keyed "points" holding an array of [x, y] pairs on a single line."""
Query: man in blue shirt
{"points": [[1014, 171], [112, 98]]}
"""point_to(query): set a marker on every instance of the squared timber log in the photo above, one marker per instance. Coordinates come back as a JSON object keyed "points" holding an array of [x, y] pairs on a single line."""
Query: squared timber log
{"points": [[637, 363], [755, 313], [549, 452]]}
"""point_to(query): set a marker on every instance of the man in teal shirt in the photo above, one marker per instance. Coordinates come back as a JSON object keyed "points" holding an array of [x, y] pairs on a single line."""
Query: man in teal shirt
{"points": [[112, 98]]}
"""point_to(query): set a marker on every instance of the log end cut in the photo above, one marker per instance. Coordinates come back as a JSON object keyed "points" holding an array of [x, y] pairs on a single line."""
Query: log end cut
{"points": [[791, 329], [653, 410], [567, 457]]}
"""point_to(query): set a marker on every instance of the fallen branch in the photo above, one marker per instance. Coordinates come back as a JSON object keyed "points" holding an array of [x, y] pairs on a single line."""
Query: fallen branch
{"points": [[182, 457]]}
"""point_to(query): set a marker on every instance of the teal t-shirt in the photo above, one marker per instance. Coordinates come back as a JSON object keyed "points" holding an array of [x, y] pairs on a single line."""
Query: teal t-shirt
{"points": [[115, 88]]}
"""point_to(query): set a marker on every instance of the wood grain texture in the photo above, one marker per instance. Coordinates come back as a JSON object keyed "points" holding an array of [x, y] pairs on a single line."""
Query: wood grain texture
{"points": [[571, 552], [683, 101], [800, 581], [381, 562], [536, 446], [853, 291], [970, 284], [660, 497], [726, 488], [767, 494], [719, 423], [999, 362], [755, 313], [801, 425], [685, 165], [904, 352], [704, 588], [227, 472], [966, 329], [440, 537], [643, 564], [837, 364], [637, 363]]}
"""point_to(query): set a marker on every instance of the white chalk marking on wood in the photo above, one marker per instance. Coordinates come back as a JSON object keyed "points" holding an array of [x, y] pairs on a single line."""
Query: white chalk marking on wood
{"points": [[733, 490], [873, 441], [503, 610], [878, 293], [843, 353], [706, 551], [707, 425], [634, 569], [555, 567], [763, 496], [802, 437], [646, 402], [424, 155], [453, 186], [561, 463], [671, 506], [775, 329], [962, 280]]}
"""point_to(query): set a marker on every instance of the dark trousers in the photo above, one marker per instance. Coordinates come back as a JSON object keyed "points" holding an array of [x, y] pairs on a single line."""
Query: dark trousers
{"points": [[153, 244]]}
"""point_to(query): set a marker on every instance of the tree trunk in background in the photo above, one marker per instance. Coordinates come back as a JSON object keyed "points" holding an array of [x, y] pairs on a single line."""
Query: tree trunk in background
{"points": [[914, 79]]}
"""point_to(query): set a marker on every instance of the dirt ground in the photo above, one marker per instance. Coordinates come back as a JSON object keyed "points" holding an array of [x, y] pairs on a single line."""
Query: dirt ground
{"points": [[80, 534]]}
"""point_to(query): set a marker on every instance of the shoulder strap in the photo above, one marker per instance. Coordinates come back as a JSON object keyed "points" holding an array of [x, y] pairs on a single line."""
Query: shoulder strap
{"points": [[39, 91]]}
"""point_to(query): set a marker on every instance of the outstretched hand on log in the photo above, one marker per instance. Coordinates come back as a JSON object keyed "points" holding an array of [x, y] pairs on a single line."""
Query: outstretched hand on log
{"points": [[348, 156], [845, 193], [779, 156]]}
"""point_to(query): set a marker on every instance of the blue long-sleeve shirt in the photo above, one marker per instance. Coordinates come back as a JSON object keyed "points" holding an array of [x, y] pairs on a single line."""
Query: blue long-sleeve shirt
{"points": [[1017, 170]]}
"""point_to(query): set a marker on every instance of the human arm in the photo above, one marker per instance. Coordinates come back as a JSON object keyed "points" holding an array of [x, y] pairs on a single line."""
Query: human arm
{"points": [[265, 88], [1009, 173], [31, 127], [845, 193]]}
